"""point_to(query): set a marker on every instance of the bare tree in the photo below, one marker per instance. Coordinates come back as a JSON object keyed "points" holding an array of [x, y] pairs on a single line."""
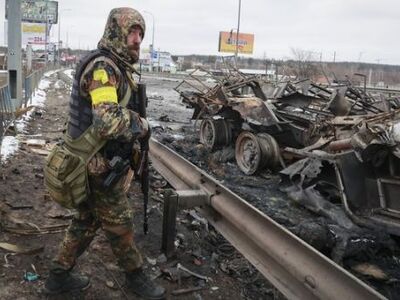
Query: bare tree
{"points": [[304, 63]]}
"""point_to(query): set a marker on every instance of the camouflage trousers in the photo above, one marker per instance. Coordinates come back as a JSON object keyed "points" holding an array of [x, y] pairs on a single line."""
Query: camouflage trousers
{"points": [[111, 211]]}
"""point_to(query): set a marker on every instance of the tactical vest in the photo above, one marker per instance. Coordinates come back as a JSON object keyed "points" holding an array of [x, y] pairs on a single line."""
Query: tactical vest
{"points": [[65, 170], [80, 112]]}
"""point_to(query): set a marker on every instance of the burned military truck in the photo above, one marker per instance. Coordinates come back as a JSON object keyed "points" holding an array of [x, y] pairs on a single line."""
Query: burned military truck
{"points": [[334, 143], [234, 109], [258, 116]]}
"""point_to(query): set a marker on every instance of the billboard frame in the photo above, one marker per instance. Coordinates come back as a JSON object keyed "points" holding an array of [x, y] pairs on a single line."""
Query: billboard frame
{"points": [[31, 11], [245, 46]]}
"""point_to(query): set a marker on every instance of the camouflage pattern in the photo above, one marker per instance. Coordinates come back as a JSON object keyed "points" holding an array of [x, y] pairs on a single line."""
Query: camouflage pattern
{"points": [[114, 122], [110, 210], [120, 22], [98, 165], [111, 120]]}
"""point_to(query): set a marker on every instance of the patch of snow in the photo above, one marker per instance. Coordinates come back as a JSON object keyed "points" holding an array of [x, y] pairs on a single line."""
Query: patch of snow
{"points": [[59, 85], [49, 73], [44, 84], [161, 78], [178, 137], [38, 101], [153, 123], [21, 123], [9, 146], [69, 73]]}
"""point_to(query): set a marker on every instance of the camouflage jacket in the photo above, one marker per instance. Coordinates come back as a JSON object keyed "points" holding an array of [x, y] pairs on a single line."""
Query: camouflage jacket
{"points": [[101, 82]]}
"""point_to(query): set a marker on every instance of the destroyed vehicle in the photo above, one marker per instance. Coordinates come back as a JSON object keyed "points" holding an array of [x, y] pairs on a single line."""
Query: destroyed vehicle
{"points": [[338, 142], [258, 116], [361, 170], [246, 111]]}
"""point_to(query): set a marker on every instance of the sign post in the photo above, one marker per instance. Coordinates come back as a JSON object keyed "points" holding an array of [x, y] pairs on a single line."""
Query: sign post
{"points": [[14, 52]]}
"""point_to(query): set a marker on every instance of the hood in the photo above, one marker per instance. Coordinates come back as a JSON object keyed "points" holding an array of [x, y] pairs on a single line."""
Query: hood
{"points": [[120, 20]]}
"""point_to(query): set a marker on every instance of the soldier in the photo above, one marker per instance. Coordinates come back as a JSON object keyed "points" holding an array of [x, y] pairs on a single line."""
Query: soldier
{"points": [[103, 80]]}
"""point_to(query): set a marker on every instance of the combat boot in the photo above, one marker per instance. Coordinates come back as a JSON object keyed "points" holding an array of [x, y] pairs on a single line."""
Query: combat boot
{"points": [[63, 281], [138, 282]]}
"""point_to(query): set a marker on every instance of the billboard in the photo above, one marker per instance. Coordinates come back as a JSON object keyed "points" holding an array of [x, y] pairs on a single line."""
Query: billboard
{"points": [[33, 33], [227, 42], [36, 11]]}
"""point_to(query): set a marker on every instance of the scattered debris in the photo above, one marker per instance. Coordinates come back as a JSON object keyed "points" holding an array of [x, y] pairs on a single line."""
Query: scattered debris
{"points": [[151, 261], [59, 213], [171, 273], [110, 284], [155, 96], [186, 291], [199, 219], [19, 249], [31, 277], [180, 267], [162, 259], [42, 152], [17, 207], [111, 275], [370, 270], [34, 143], [164, 118]]}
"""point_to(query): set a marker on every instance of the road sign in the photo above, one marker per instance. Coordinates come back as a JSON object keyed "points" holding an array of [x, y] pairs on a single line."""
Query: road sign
{"points": [[38, 11]]}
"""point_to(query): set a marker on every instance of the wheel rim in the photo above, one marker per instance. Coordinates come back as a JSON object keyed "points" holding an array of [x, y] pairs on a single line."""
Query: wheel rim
{"points": [[248, 153], [256, 152], [271, 154], [207, 134], [215, 133]]}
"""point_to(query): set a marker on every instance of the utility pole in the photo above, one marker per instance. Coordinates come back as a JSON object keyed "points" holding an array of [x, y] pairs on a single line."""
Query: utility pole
{"points": [[46, 39], [59, 33], [152, 41], [237, 34], [29, 59], [159, 54], [59, 40], [14, 58], [360, 55]]}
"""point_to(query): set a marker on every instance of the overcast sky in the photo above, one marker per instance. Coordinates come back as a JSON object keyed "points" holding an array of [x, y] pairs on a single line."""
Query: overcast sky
{"points": [[358, 30]]}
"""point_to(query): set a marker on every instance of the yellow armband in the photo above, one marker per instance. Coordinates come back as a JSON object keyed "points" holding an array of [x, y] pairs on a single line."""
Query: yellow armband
{"points": [[100, 75], [104, 94]]}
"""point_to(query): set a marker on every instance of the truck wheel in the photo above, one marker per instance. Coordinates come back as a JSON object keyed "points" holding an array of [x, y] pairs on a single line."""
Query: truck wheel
{"points": [[255, 152], [215, 134]]}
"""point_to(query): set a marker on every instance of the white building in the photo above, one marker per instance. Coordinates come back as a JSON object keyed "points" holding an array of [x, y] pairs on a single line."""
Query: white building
{"points": [[162, 61]]}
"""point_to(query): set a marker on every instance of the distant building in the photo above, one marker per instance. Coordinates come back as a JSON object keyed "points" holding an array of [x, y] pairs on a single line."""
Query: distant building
{"points": [[161, 61], [3, 61]]}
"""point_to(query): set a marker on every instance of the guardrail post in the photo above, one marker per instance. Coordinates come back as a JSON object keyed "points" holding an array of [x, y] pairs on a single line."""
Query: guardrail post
{"points": [[173, 201], [169, 222]]}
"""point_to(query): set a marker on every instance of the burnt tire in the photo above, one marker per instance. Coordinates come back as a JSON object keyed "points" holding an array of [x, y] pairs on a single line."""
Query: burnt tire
{"points": [[215, 134], [255, 152]]}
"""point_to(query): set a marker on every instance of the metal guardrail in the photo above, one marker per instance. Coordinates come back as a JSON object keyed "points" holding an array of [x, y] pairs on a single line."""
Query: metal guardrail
{"points": [[291, 265], [31, 83], [7, 109]]}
